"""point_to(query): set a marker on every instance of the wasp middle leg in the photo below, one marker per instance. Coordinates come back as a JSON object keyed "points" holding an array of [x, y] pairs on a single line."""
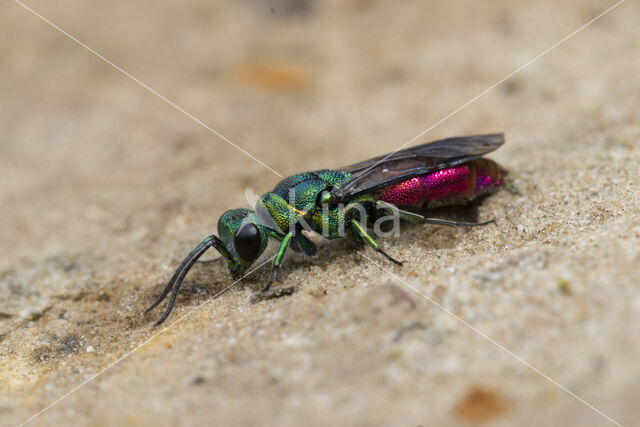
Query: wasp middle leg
{"points": [[362, 233]]}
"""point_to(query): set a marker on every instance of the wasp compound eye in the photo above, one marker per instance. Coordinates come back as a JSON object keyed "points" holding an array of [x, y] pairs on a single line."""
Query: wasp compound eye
{"points": [[248, 241]]}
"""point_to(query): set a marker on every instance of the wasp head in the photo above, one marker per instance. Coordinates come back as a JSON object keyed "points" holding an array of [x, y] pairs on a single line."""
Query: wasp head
{"points": [[245, 238]]}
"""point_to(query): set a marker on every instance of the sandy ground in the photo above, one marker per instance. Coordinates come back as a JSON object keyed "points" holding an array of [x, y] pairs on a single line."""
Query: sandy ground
{"points": [[105, 187]]}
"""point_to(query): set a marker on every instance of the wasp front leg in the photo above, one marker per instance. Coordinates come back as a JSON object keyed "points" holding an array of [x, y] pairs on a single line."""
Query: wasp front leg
{"points": [[278, 260], [285, 217]]}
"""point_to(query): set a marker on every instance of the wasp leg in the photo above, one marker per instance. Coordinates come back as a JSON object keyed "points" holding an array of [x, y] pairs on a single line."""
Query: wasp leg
{"points": [[419, 219], [279, 257], [405, 215], [307, 246], [369, 240], [276, 235], [457, 223]]}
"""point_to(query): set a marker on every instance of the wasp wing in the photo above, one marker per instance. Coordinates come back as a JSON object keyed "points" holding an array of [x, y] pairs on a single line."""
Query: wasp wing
{"points": [[379, 172]]}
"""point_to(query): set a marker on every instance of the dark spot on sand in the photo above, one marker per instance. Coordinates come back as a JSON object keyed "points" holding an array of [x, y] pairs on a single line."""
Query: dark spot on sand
{"points": [[480, 404], [198, 380], [277, 292], [70, 344]]}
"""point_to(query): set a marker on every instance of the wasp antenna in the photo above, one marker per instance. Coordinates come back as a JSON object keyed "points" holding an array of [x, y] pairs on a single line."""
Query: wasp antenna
{"points": [[178, 277]]}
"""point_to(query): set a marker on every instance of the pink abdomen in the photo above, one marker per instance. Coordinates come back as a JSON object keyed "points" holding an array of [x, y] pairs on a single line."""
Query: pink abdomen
{"points": [[446, 186]]}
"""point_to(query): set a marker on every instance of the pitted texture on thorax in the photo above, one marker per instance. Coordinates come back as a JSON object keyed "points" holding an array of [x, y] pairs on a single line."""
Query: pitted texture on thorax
{"points": [[301, 190], [331, 178]]}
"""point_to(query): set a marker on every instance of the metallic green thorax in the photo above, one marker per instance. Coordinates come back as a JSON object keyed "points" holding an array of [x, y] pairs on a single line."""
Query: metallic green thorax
{"points": [[297, 198], [301, 201]]}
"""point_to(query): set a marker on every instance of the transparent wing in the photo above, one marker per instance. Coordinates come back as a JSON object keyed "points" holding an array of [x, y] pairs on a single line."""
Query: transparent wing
{"points": [[382, 171]]}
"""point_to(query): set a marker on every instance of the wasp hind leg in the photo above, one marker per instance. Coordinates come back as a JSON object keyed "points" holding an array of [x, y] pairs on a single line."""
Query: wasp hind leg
{"points": [[449, 223], [362, 233], [419, 219], [404, 215]]}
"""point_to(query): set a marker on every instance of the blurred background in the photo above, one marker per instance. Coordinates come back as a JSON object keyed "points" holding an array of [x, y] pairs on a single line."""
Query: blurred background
{"points": [[105, 186]]}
